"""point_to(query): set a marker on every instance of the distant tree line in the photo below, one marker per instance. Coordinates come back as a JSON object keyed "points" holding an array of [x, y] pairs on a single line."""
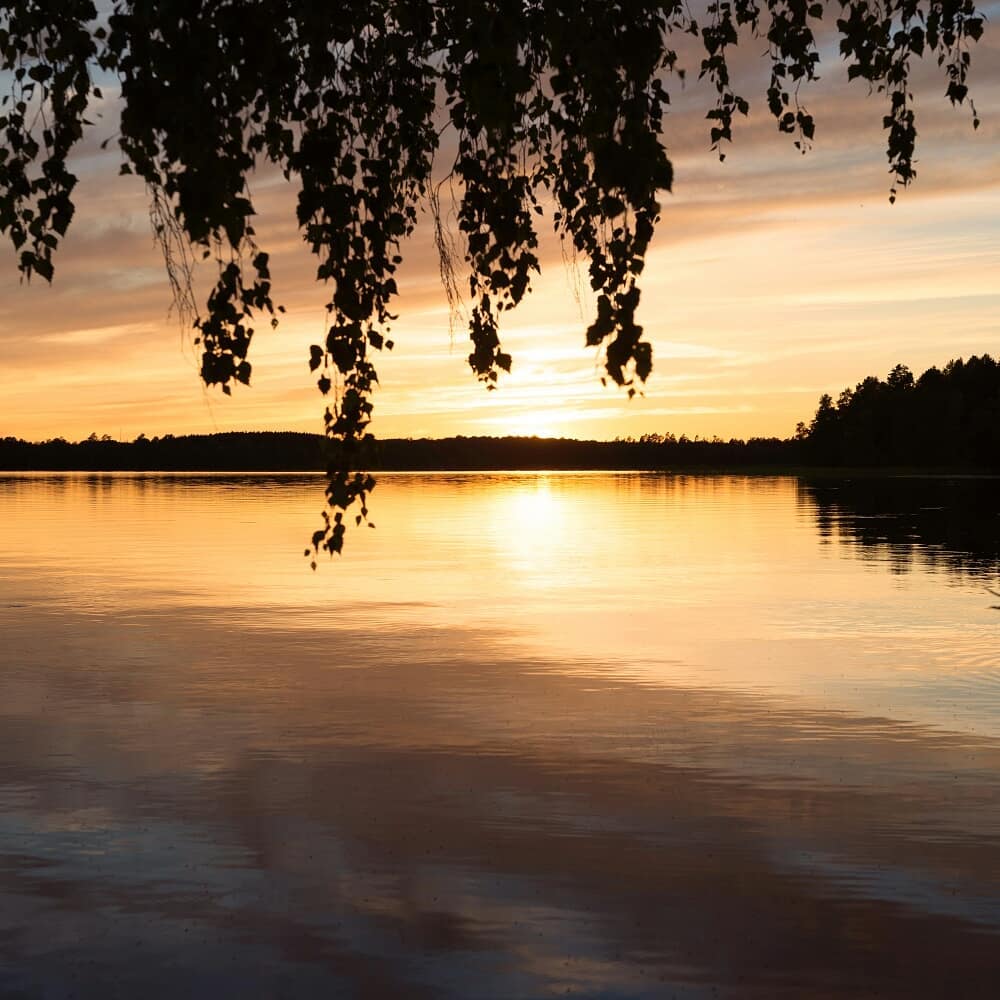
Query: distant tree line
{"points": [[649, 452], [244, 451], [948, 417], [277, 451]]}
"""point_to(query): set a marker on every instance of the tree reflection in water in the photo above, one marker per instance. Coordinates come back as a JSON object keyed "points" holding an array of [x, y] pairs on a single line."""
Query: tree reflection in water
{"points": [[940, 523]]}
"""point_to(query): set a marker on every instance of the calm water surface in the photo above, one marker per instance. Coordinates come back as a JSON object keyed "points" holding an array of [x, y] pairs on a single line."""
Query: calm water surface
{"points": [[605, 735]]}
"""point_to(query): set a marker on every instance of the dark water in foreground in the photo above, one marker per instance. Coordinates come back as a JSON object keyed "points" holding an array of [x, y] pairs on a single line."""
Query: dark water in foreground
{"points": [[604, 735]]}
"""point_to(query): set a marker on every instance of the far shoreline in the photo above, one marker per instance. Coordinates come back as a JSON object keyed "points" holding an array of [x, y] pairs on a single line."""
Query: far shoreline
{"points": [[271, 452]]}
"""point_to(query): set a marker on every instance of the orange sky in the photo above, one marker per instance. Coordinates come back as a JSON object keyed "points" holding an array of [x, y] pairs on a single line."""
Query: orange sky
{"points": [[773, 278]]}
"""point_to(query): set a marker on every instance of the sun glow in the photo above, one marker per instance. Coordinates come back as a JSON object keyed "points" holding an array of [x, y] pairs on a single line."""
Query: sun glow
{"points": [[536, 423]]}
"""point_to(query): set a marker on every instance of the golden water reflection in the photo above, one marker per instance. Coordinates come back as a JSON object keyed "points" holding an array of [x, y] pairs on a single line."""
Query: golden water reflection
{"points": [[715, 581], [621, 736]]}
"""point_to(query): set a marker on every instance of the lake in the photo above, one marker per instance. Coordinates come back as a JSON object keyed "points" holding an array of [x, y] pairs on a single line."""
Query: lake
{"points": [[604, 735]]}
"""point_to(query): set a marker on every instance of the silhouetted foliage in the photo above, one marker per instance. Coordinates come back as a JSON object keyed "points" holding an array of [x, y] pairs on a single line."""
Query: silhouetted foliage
{"points": [[948, 417], [557, 101]]}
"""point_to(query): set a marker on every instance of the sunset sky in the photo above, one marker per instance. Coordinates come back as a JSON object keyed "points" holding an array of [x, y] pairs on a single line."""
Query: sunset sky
{"points": [[774, 277]]}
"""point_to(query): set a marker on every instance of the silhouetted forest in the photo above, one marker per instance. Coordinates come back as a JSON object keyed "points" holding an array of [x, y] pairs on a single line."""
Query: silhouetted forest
{"points": [[286, 451], [947, 419], [232, 452]]}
